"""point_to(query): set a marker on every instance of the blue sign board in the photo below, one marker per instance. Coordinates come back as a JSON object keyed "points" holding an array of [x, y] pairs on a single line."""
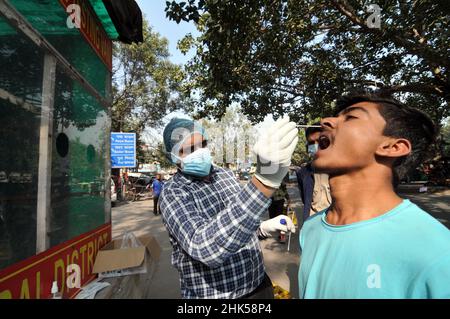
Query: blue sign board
{"points": [[123, 150]]}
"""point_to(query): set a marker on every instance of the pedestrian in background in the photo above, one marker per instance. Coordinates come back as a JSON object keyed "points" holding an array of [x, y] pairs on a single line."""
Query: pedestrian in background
{"points": [[314, 187], [156, 187]]}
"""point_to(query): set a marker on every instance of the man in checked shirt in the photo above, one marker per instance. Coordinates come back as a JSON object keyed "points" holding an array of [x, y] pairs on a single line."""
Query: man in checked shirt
{"points": [[213, 221]]}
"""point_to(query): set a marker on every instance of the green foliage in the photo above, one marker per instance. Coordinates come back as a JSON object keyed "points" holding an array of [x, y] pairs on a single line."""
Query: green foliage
{"points": [[446, 138], [160, 155], [296, 57], [232, 138], [300, 155]]}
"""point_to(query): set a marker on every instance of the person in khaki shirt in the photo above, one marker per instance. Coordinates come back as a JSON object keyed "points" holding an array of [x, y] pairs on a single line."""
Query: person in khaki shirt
{"points": [[321, 198], [314, 188]]}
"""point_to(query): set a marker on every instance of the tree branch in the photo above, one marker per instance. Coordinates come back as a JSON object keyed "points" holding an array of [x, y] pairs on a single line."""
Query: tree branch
{"points": [[417, 88], [420, 49]]}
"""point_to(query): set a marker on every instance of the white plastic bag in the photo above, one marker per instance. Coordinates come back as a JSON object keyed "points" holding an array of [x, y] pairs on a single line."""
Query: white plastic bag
{"points": [[129, 240]]}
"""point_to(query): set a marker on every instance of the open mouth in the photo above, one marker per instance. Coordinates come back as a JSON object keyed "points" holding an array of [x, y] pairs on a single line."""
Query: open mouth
{"points": [[324, 142]]}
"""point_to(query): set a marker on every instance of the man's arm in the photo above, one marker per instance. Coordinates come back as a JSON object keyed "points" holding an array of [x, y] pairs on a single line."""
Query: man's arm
{"points": [[213, 241], [266, 190]]}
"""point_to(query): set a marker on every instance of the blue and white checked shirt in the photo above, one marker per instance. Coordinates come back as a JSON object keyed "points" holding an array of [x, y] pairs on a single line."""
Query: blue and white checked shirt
{"points": [[212, 228]]}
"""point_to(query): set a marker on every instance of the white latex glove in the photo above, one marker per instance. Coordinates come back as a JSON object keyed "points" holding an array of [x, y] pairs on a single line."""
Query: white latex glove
{"points": [[274, 150], [273, 225]]}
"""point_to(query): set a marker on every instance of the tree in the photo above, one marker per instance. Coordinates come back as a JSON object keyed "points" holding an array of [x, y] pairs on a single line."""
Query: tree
{"points": [[159, 154], [300, 155], [297, 57], [146, 85], [231, 139], [446, 138]]}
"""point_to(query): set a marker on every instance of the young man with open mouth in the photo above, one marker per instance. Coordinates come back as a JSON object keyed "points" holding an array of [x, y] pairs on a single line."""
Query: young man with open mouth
{"points": [[370, 243]]}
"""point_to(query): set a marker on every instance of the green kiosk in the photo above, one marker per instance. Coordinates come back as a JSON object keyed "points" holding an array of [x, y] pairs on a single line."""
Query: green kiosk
{"points": [[55, 98]]}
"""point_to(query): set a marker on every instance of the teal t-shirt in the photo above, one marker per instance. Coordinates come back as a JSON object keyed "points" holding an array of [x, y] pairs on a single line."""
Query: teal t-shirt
{"points": [[404, 253]]}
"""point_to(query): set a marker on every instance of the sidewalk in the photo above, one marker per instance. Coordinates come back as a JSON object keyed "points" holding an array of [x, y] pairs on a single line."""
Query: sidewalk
{"points": [[282, 266], [138, 217]]}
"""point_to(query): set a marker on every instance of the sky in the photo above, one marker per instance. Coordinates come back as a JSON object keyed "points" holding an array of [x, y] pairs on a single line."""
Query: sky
{"points": [[153, 11], [156, 16]]}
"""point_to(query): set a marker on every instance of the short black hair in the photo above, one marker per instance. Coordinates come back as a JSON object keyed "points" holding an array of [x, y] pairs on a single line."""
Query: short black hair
{"points": [[402, 121]]}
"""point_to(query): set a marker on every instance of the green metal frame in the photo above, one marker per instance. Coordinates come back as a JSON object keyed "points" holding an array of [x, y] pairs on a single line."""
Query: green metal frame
{"points": [[104, 18]]}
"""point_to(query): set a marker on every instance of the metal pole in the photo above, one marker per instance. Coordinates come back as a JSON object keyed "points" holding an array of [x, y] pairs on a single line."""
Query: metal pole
{"points": [[107, 168], [45, 156], [289, 239]]}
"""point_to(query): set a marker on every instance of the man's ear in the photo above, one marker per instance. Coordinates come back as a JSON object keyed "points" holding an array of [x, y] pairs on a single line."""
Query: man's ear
{"points": [[394, 147]]}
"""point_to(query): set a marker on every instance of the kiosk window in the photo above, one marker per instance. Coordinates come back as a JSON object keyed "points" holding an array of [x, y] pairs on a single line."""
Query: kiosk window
{"points": [[21, 65], [69, 42], [78, 183]]}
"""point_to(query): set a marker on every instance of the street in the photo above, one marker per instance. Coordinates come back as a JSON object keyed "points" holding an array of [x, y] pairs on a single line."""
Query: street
{"points": [[438, 205], [281, 266], [138, 217]]}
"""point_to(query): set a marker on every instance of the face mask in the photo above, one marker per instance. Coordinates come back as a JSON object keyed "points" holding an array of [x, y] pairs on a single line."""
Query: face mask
{"points": [[197, 163], [312, 149]]}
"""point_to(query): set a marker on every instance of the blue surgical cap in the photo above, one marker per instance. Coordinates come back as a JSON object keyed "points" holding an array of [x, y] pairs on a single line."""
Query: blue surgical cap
{"points": [[177, 131]]}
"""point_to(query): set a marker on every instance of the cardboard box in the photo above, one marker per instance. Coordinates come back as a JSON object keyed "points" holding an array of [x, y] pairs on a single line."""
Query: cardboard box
{"points": [[128, 270]]}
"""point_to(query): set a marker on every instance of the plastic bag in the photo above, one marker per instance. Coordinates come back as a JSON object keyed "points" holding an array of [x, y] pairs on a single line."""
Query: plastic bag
{"points": [[129, 240]]}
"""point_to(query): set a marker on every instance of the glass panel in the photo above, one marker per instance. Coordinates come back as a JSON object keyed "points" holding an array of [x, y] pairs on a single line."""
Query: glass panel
{"points": [[21, 65], [50, 19], [78, 164]]}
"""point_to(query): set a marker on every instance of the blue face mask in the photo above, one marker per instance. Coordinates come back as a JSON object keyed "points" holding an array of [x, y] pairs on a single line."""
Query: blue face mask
{"points": [[312, 149], [197, 163]]}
